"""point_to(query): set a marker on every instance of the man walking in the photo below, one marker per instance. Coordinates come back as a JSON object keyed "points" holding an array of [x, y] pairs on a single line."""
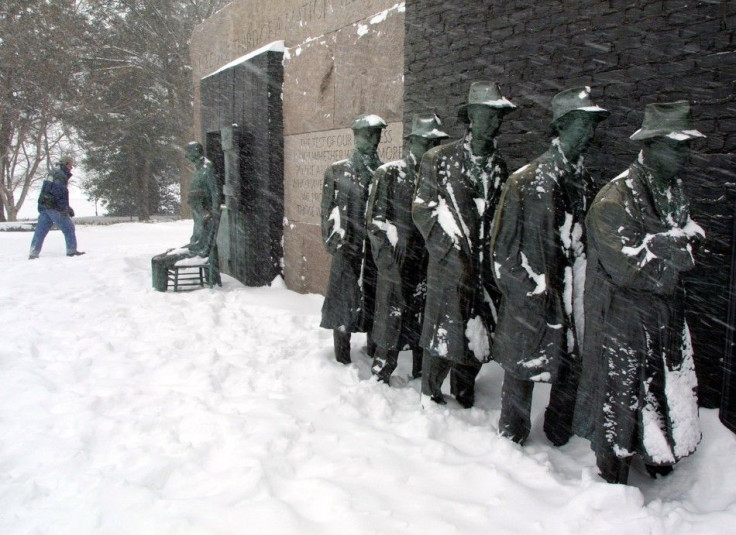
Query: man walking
{"points": [[53, 208]]}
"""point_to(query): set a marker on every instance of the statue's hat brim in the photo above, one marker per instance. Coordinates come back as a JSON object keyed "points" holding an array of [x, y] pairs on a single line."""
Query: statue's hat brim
{"points": [[576, 99], [368, 121], [667, 119], [426, 125], [485, 94]]}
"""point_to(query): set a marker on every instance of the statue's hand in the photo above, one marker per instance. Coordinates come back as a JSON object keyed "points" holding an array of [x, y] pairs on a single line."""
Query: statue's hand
{"points": [[673, 249]]}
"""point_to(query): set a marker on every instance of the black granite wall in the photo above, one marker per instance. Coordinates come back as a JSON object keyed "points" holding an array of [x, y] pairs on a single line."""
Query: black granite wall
{"points": [[631, 53], [248, 96]]}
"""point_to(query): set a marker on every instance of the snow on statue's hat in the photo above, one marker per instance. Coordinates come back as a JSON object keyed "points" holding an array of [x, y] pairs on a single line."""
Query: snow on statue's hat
{"points": [[484, 94], [66, 159], [368, 121], [426, 125], [667, 119], [576, 99]]}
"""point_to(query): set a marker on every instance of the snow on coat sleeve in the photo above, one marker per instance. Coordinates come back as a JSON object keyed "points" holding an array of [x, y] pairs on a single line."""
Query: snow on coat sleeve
{"points": [[426, 207], [381, 230], [332, 230], [511, 266], [620, 250]]}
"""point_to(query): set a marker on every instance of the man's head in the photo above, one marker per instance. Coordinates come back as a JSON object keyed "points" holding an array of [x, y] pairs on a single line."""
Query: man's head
{"points": [[484, 110], [67, 160], [574, 118], [667, 132], [425, 133], [367, 132], [194, 151]]}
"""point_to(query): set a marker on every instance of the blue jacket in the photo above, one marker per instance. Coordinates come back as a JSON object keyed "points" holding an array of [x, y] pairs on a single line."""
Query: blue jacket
{"points": [[54, 192]]}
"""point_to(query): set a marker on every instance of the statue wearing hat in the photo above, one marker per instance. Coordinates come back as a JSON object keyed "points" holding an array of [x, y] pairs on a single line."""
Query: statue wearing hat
{"points": [[204, 201], [54, 209], [459, 186], [637, 393], [539, 264], [399, 252], [349, 302]]}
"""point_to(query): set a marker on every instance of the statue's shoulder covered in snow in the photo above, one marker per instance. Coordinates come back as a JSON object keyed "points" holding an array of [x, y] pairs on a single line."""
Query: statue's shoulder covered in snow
{"points": [[638, 387]]}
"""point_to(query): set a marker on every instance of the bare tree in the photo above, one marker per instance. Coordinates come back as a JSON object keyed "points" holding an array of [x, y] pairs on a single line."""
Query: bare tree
{"points": [[39, 47]]}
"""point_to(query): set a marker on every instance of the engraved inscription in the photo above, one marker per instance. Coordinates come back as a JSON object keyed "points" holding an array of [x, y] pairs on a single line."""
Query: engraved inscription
{"points": [[306, 156]]}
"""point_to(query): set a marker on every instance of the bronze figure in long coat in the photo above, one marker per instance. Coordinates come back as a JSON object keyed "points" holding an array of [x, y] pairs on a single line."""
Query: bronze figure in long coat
{"points": [[539, 264], [459, 186], [349, 301], [637, 392], [399, 252]]}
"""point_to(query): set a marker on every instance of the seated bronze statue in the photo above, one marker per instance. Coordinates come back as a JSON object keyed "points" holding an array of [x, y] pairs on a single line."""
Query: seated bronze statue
{"points": [[204, 201]]}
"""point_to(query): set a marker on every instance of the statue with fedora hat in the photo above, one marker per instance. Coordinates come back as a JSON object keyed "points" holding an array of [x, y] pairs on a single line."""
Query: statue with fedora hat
{"points": [[539, 264], [204, 202], [399, 252], [349, 302], [459, 187], [637, 393]]}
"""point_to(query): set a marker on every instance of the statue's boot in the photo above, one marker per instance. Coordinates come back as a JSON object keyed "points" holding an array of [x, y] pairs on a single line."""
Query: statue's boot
{"points": [[384, 364], [613, 469], [434, 371], [416, 367], [462, 383], [516, 404], [370, 346], [656, 471], [342, 346]]}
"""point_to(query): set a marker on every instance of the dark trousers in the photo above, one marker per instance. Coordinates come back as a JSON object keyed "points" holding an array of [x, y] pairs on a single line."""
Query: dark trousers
{"points": [[516, 405], [342, 346], [386, 361], [462, 379]]}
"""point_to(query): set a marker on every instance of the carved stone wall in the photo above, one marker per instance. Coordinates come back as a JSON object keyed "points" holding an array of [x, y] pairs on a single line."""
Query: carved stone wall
{"points": [[342, 58]]}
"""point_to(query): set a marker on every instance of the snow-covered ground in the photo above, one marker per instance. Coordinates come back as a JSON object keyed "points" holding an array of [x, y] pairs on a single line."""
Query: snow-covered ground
{"points": [[126, 411]]}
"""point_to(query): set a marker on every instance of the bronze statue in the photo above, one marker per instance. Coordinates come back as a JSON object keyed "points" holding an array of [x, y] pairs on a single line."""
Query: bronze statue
{"points": [[539, 264], [637, 392], [459, 186], [399, 252], [349, 302], [204, 201]]}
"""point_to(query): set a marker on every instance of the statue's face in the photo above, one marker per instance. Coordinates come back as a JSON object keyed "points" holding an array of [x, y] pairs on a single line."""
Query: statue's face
{"points": [[484, 122], [420, 145], [576, 130], [666, 157], [367, 140], [194, 153]]}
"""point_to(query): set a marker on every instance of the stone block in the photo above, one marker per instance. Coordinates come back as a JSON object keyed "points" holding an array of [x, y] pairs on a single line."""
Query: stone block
{"points": [[306, 263], [369, 69], [309, 86], [306, 156]]}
